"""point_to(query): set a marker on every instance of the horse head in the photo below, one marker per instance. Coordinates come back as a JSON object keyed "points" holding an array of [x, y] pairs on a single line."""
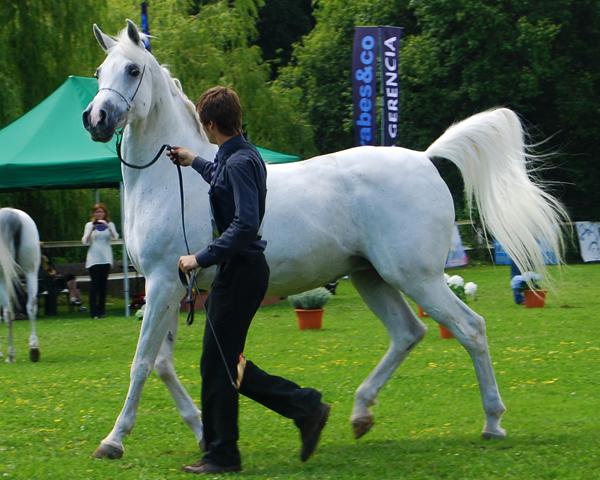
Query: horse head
{"points": [[124, 84]]}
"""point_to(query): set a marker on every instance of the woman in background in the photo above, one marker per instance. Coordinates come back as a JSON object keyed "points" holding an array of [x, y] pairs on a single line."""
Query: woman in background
{"points": [[98, 233]]}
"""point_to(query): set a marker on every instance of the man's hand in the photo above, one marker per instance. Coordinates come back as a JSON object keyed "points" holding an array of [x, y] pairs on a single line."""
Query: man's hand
{"points": [[187, 263], [181, 156]]}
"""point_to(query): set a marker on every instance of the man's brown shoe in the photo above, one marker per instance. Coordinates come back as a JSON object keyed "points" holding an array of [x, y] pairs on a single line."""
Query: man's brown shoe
{"points": [[310, 431], [207, 467]]}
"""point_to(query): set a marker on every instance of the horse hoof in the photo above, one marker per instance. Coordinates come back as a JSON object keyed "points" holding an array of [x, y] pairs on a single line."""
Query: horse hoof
{"points": [[496, 434], [34, 354], [362, 425], [108, 451]]}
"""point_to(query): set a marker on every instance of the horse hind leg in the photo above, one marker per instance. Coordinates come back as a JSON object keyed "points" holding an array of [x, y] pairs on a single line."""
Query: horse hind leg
{"points": [[165, 369], [32, 288], [405, 331], [469, 329], [10, 351]]}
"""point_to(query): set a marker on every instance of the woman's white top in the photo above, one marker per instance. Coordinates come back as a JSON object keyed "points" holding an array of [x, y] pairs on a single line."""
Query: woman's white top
{"points": [[100, 251]]}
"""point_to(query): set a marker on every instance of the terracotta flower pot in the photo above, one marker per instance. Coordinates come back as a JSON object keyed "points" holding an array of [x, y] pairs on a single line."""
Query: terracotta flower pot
{"points": [[535, 298], [445, 333], [310, 319]]}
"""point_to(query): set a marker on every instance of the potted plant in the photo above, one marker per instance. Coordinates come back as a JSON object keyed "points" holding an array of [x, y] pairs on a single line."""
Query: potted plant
{"points": [[309, 307], [528, 284], [462, 290]]}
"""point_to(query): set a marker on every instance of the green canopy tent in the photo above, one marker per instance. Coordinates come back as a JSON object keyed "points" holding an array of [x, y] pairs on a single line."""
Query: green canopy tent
{"points": [[49, 148]]}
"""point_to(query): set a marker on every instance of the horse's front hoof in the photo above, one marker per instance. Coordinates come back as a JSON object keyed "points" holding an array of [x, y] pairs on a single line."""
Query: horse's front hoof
{"points": [[108, 451], [362, 425], [34, 354]]}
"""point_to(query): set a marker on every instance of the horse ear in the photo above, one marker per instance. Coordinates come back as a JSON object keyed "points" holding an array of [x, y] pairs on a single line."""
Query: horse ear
{"points": [[133, 32], [104, 40]]}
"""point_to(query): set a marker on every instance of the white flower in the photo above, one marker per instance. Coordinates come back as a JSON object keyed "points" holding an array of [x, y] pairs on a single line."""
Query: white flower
{"points": [[531, 277], [471, 289], [446, 277], [456, 281], [516, 281]]}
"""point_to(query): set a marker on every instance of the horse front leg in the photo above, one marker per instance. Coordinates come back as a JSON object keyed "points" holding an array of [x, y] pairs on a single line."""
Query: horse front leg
{"points": [[32, 289], [161, 303], [165, 369]]}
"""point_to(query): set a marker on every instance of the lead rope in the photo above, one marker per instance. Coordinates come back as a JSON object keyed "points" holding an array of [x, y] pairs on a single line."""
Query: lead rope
{"points": [[188, 280]]}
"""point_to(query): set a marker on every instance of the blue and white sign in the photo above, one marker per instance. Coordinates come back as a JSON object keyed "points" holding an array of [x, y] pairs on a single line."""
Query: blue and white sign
{"points": [[589, 240], [364, 84], [390, 80]]}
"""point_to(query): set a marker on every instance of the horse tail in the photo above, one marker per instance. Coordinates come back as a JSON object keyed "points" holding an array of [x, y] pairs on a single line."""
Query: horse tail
{"points": [[9, 269], [490, 151]]}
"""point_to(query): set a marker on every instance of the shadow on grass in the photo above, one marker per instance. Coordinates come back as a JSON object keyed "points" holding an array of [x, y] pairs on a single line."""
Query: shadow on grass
{"points": [[452, 457]]}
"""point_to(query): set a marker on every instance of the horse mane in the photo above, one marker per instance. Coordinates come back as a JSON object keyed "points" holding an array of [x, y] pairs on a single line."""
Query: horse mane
{"points": [[138, 53], [177, 91]]}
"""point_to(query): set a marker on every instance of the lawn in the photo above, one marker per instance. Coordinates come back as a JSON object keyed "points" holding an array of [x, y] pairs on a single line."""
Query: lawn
{"points": [[428, 417]]}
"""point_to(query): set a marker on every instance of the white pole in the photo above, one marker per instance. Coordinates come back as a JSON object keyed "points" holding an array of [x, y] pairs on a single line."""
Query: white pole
{"points": [[125, 257]]}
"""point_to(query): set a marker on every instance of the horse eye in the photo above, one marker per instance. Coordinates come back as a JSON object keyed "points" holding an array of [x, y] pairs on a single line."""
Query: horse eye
{"points": [[133, 70]]}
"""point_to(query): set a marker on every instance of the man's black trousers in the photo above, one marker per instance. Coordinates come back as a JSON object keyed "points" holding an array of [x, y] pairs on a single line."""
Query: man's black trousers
{"points": [[236, 294]]}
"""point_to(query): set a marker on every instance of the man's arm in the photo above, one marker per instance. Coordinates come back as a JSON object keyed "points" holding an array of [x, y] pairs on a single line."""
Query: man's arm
{"points": [[246, 221], [185, 158]]}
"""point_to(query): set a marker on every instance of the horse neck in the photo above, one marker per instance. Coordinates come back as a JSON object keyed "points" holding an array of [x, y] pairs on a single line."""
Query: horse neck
{"points": [[168, 122], [154, 190]]}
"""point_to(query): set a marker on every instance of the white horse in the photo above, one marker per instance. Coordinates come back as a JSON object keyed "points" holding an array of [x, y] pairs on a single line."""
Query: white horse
{"points": [[383, 215], [19, 255]]}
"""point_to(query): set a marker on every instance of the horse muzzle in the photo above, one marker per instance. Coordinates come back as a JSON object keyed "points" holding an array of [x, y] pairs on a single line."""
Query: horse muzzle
{"points": [[101, 122]]}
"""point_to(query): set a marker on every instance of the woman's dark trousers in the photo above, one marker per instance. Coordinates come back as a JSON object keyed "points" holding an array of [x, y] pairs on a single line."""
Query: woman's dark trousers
{"points": [[99, 280], [236, 294]]}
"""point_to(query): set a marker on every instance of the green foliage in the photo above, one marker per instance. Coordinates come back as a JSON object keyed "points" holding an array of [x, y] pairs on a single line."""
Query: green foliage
{"points": [[32, 35], [310, 300], [280, 24], [428, 418], [216, 46], [321, 62], [461, 57]]}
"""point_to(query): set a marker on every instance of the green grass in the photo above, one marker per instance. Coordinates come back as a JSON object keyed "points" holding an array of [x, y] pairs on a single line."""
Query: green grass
{"points": [[428, 417]]}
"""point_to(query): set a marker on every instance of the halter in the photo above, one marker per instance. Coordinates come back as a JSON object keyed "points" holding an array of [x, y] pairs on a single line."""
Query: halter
{"points": [[128, 102]]}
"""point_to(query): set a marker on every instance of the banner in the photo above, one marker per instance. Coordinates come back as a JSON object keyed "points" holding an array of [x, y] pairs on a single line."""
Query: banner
{"points": [[390, 81], [589, 240], [502, 258], [145, 27], [457, 256], [364, 84]]}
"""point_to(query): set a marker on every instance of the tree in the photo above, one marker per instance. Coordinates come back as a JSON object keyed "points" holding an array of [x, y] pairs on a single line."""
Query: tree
{"points": [[280, 24], [459, 57], [319, 72], [33, 33]]}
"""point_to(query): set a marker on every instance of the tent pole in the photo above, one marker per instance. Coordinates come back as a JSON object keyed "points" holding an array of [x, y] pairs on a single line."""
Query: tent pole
{"points": [[125, 257]]}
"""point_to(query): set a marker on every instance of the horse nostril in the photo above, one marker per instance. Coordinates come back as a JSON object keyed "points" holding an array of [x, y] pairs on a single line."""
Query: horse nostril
{"points": [[86, 119], [102, 116]]}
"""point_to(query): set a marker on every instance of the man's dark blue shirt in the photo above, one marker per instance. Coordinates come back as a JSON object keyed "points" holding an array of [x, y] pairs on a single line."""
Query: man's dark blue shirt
{"points": [[238, 189]]}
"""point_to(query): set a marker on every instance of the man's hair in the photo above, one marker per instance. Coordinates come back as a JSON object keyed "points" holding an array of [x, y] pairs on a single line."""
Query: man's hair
{"points": [[222, 106]]}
